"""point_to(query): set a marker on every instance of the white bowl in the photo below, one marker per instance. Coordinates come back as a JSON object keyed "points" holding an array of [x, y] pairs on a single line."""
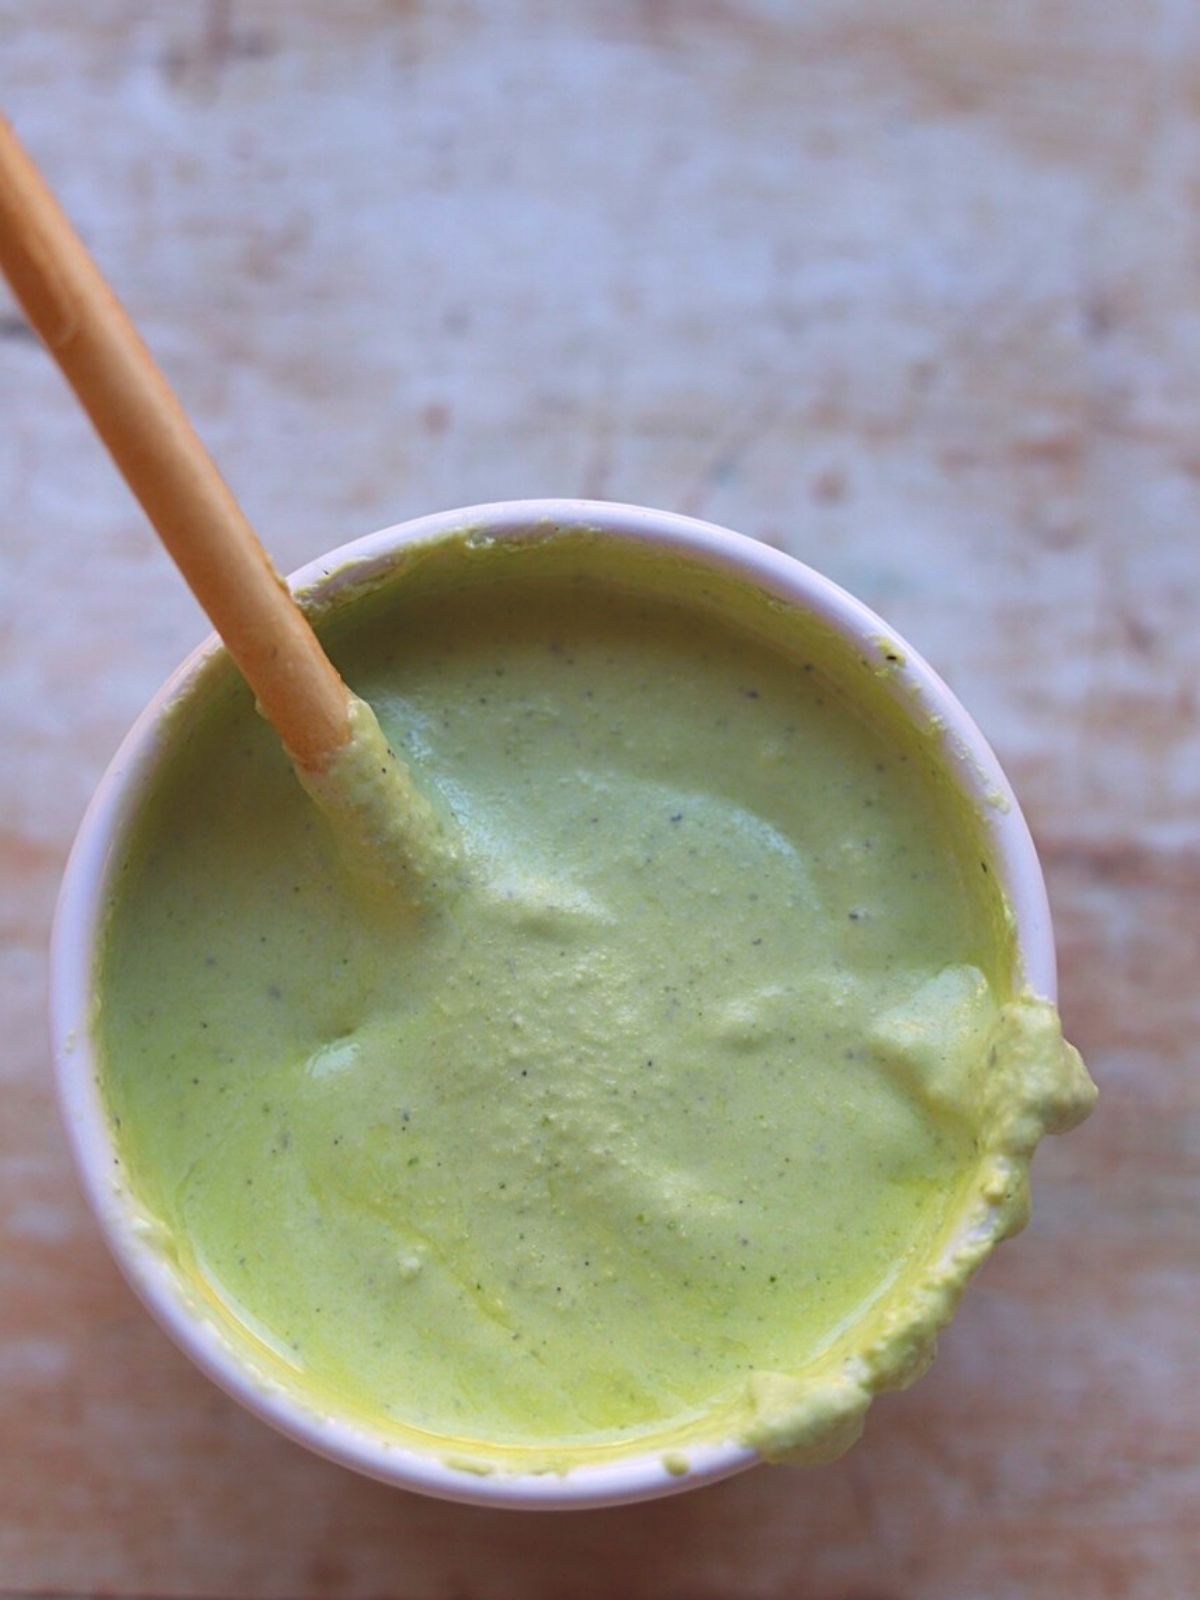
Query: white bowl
{"points": [[85, 892]]}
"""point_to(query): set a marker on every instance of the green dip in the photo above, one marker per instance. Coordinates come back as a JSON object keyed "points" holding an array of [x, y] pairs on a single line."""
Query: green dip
{"points": [[667, 1115]]}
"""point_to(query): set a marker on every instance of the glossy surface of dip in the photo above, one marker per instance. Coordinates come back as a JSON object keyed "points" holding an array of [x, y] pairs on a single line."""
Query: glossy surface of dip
{"points": [[668, 1097]]}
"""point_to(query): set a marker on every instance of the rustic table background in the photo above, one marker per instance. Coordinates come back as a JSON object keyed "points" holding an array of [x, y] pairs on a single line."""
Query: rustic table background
{"points": [[910, 288]]}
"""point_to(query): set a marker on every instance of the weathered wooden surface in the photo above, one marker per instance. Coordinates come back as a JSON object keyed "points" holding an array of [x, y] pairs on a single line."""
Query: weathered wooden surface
{"points": [[910, 290]]}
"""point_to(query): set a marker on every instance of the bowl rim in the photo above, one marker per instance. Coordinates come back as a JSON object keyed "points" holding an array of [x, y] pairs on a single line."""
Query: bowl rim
{"points": [[79, 916]]}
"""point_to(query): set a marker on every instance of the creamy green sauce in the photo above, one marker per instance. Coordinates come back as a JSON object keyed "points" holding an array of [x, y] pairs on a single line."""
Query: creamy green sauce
{"points": [[659, 1102]]}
